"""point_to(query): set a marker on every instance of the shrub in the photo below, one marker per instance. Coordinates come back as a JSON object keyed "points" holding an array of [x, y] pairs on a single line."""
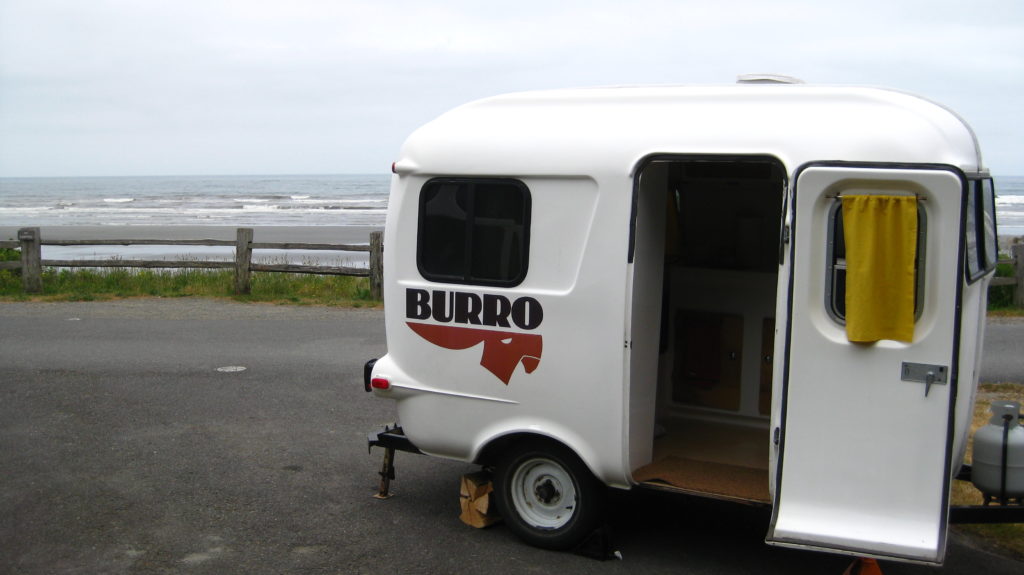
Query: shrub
{"points": [[1001, 297]]}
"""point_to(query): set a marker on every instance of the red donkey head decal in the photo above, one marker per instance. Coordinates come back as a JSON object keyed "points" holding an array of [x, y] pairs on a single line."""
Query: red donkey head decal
{"points": [[503, 351]]}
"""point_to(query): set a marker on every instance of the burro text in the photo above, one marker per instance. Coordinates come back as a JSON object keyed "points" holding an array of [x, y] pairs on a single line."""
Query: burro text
{"points": [[470, 308]]}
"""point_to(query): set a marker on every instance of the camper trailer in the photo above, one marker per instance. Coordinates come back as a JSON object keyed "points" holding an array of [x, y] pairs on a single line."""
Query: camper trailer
{"points": [[770, 292]]}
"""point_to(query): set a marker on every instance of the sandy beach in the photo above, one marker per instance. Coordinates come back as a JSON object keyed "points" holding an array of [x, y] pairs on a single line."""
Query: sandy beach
{"points": [[297, 234]]}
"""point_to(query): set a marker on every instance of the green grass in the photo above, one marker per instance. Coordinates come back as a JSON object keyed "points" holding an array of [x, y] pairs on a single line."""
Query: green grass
{"points": [[111, 283], [1000, 298], [9, 255], [69, 284]]}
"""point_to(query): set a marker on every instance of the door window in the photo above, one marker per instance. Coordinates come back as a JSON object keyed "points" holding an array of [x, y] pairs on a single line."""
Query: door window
{"points": [[836, 280]]}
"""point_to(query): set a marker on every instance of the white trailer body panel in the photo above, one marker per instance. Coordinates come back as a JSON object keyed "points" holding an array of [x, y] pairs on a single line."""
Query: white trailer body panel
{"points": [[583, 365]]}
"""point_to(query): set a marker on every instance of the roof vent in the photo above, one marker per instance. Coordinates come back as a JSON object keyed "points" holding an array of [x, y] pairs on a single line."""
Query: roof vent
{"points": [[767, 79]]}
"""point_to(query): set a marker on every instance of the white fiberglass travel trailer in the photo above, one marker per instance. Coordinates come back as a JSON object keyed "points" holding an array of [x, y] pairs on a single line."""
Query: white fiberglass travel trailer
{"points": [[764, 292]]}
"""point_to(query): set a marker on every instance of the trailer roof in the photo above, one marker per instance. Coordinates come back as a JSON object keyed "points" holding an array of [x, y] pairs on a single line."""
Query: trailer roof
{"points": [[609, 131]]}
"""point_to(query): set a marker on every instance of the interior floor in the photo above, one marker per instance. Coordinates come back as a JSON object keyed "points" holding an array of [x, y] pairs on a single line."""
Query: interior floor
{"points": [[722, 443], [710, 459]]}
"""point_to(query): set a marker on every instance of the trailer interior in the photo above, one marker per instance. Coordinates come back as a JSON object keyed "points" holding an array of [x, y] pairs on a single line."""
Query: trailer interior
{"points": [[716, 334]]}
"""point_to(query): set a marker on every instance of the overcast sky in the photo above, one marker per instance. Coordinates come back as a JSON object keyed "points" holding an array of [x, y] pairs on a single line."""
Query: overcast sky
{"points": [[156, 87]]}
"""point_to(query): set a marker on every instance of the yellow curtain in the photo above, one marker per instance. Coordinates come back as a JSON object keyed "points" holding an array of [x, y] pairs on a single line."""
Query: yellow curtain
{"points": [[881, 245]]}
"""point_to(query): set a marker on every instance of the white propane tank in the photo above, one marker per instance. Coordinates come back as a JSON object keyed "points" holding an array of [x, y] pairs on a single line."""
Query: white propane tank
{"points": [[999, 454]]}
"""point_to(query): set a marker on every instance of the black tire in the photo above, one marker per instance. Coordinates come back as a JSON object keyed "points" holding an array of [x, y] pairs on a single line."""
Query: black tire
{"points": [[546, 495]]}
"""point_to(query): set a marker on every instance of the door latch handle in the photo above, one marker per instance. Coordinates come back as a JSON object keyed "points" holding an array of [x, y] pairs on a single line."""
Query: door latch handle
{"points": [[928, 374]]}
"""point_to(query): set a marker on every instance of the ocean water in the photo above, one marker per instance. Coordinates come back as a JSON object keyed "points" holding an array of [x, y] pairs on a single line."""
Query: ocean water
{"points": [[328, 200], [1010, 206]]}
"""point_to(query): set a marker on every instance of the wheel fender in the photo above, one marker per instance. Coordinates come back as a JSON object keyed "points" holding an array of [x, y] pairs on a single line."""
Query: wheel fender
{"points": [[490, 441]]}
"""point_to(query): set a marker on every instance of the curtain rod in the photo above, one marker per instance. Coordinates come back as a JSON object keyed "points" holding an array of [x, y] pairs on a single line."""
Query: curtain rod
{"points": [[841, 196]]}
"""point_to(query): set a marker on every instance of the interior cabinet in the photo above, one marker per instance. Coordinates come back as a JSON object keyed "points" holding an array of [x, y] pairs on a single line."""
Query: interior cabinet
{"points": [[708, 358]]}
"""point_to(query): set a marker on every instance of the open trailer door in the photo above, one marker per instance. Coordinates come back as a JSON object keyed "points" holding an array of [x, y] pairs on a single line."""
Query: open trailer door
{"points": [[864, 429]]}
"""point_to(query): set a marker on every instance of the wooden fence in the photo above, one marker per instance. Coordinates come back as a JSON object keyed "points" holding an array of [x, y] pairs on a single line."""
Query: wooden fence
{"points": [[30, 243]]}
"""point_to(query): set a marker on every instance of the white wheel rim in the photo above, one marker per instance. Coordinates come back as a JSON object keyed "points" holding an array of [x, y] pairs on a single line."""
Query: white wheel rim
{"points": [[543, 493]]}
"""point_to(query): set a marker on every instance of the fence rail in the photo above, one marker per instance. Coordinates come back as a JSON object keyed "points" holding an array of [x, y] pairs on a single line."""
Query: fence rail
{"points": [[30, 242]]}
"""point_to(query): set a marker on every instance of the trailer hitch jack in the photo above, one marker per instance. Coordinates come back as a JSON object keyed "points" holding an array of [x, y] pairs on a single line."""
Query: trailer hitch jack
{"points": [[387, 473], [392, 439]]}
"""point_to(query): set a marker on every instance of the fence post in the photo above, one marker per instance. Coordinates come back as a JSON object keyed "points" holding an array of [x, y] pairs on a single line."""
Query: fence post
{"points": [[1018, 267], [31, 260], [243, 259], [376, 265]]}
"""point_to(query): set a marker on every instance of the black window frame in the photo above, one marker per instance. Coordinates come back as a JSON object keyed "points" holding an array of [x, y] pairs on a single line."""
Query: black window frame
{"points": [[471, 186], [980, 222]]}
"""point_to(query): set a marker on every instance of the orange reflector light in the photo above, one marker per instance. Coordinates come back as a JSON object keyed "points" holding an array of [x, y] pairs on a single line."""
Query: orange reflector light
{"points": [[380, 383]]}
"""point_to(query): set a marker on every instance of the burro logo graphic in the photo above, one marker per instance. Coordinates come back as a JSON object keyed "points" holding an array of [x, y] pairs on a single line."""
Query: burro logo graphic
{"points": [[455, 311]]}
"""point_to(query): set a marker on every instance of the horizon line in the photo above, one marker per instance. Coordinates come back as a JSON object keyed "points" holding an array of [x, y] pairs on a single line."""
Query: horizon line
{"points": [[269, 175], [209, 175]]}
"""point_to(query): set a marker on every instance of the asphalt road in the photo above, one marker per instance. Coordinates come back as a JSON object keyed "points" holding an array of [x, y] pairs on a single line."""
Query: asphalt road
{"points": [[124, 449], [1003, 358]]}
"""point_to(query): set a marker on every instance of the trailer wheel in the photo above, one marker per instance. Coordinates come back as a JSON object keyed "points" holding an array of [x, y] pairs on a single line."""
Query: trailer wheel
{"points": [[546, 495]]}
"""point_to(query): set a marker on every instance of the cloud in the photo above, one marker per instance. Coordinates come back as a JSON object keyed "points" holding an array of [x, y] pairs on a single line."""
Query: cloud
{"points": [[117, 86]]}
